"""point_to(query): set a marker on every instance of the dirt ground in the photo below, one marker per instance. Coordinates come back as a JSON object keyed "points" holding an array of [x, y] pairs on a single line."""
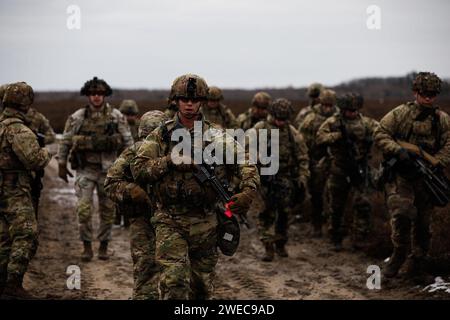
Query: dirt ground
{"points": [[312, 271]]}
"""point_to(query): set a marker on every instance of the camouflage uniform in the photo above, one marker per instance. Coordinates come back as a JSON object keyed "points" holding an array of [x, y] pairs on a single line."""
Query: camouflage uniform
{"points": [[313, 93], [318, 157], [185, 221], [130, 108], [221, 115], [38, 123], [248, 119], [360, 131], [171, 109], [20, 154], [121, 188], [91, 140], [408, 203], [278, 189]]}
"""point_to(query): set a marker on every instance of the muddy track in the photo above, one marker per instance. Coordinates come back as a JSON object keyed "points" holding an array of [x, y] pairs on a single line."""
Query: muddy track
{"points": [[312, 271]]}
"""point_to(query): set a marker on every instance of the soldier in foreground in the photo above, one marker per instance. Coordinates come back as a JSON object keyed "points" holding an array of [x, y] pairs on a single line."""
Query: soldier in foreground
{"points": [[410, 204], [20, 155], [185, 220], [349, 136], [216, 112], [92, 137], [278, 189], [257, 112], [134, 201], [318, 156], [313, 94]]}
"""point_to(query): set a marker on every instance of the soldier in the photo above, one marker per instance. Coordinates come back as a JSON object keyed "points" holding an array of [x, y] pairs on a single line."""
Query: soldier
{"points": [[40, 125], [278, 189], [20, 154], [313, 94], [135, 204], [130, 110], [420, 123], [91, 139], [216, 112], [185, 221], [318, 156], [256, 113], [348, 134]]}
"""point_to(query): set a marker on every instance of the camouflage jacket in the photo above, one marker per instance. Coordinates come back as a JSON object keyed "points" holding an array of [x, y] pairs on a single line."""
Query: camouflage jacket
{"points": [[293, 152], [308, 128], [38, 123], [360, 132], [19, 148], [119, 180], [179, 192], [85, 125], [302, 114], [221, 116], [410, 122], [246, 121]]}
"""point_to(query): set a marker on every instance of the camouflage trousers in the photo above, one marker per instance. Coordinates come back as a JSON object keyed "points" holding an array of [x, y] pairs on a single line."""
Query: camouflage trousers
{"points": [[273, 220], [186, 251], [18, 230], [410, 210], [88, 180], [145, 270], [339, 188], [317, 183]]}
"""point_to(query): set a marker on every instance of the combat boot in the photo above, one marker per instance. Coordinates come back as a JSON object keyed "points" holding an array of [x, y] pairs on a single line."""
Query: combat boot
{"points": [[14, 289], [87, 254], [103, 251], [270, 252], [280, 249], [395, 263]]}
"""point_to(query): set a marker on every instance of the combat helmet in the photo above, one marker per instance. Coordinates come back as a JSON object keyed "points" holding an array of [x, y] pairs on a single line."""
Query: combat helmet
{"points": [[129, 107], [281, 109], [427, 84], [150, 121], [327, 96], [189, 86], [358, 100], [261, 100], [96, 85], [215, 94], [18, 94], [346, 102], [314, 90]]}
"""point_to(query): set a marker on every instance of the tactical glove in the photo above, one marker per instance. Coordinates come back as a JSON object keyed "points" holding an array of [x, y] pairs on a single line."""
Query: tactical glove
{"points": [[242, 201], [137, 194]]}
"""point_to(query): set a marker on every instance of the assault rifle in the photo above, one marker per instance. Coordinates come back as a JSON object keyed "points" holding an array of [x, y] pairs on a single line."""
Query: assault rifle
{"points": [[425, 167], [204, 174]]}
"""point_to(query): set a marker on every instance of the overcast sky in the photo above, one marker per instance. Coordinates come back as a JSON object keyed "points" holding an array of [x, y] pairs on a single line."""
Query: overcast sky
{"points": [[231, 43]]}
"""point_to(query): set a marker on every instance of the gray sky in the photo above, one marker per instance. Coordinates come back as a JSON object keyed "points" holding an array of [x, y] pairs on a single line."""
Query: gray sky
{"points": [[231, 43]]}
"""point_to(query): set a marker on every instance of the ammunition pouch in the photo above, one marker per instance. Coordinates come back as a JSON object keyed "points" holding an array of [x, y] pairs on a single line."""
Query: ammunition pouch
{"points": [[107, 143]]}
